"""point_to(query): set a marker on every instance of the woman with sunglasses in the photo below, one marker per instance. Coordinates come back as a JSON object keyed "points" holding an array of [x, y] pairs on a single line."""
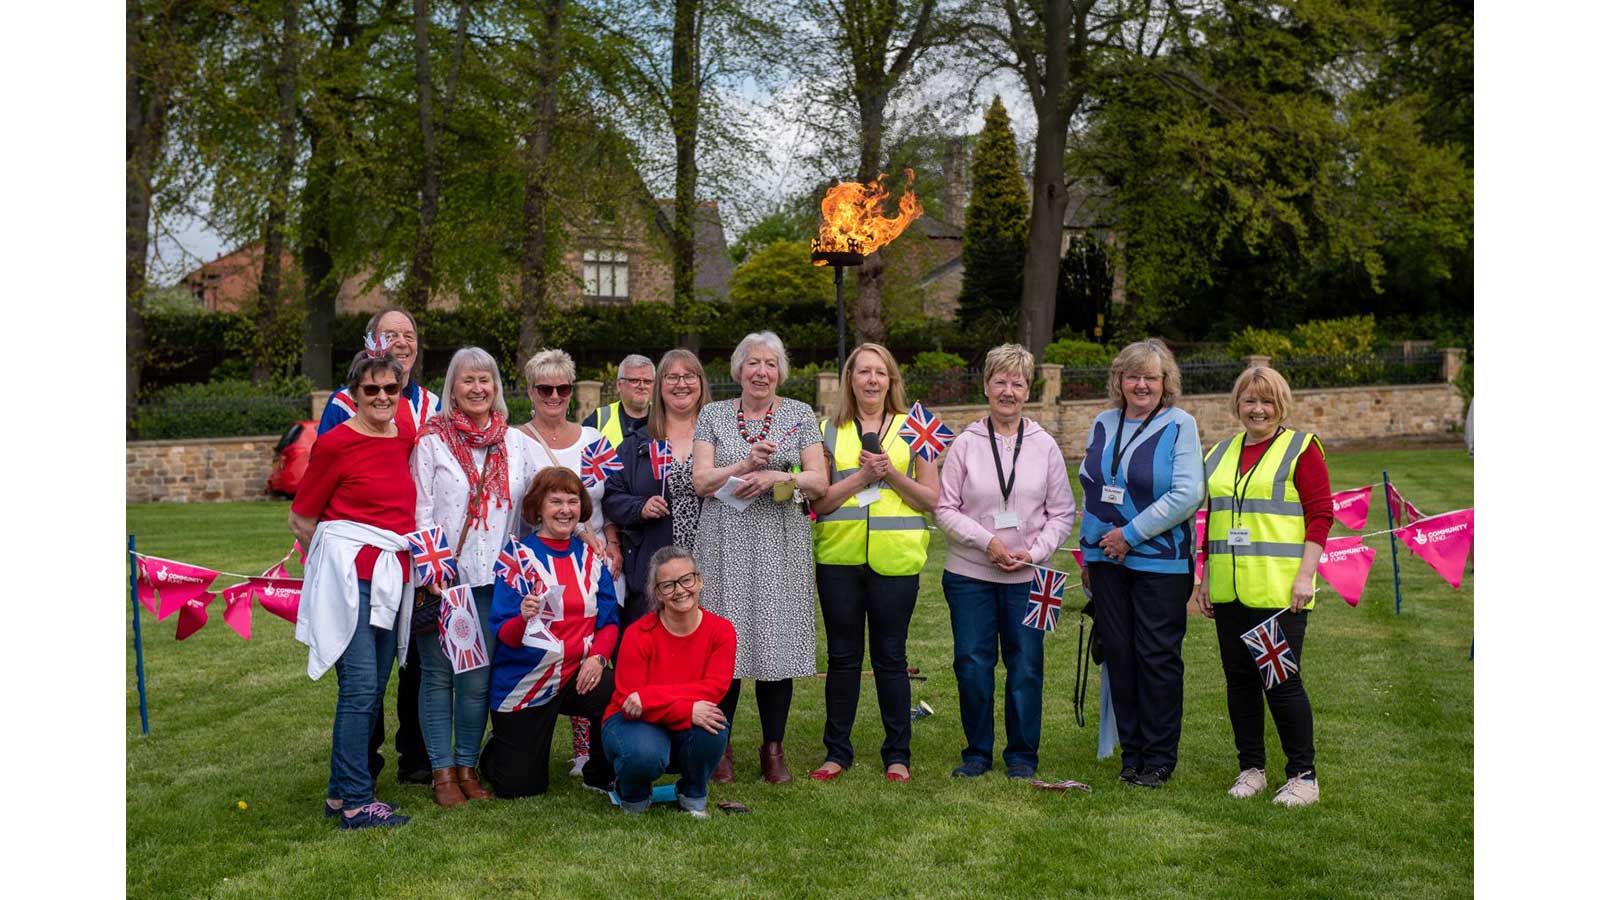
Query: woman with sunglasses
{"points": [[354, 507], [655, 509], [674, 666], [549, 375]]}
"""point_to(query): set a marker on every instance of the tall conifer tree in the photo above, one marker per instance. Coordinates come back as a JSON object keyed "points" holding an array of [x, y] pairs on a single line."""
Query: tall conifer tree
{"points": [[996, 232]]}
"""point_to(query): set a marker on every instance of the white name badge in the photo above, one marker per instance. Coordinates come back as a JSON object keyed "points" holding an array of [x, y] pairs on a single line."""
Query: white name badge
{"points": [[1109, 494], [868, 496], [1238, 537], [1006, 519]]}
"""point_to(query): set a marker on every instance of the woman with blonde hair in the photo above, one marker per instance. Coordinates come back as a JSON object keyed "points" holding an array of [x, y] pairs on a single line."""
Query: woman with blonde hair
{"points": [[871, 541], [1142, 483]]}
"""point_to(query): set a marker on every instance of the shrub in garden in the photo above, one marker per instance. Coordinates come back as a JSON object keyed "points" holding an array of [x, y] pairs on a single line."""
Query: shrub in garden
{"points": [[224, 409], [1254, 341]]}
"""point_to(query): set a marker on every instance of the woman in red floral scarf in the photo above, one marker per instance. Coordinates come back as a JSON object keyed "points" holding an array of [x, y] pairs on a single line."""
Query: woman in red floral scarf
{"points": [[471, 474]]}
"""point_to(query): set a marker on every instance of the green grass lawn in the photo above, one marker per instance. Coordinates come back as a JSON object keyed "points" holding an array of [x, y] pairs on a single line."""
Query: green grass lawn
{"points": [[234, 720]]}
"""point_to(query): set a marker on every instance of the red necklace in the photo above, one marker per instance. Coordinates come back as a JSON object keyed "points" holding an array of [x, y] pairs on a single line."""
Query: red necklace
{"points": [[766, 424]]}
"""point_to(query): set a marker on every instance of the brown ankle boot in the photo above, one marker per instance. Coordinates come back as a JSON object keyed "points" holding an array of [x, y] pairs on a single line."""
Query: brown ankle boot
{"points": [[467, 777], [446, 792], [773, 767], [723, 773]]}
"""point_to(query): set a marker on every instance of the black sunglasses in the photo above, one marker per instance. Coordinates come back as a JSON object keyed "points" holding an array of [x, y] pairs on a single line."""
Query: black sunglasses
{"points": [[554, 390], [372, 390]]}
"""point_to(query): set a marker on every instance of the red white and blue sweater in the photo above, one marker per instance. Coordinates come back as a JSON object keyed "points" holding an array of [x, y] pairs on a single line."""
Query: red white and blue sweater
{"points": [[585, 625]]}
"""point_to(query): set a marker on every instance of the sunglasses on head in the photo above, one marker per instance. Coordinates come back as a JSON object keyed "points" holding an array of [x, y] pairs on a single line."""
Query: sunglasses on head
{"points": [[372, 390], [554, 390]]}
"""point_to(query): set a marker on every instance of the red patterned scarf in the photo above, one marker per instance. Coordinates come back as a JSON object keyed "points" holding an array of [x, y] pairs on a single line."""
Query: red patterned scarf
{"points": [[462, 437]]}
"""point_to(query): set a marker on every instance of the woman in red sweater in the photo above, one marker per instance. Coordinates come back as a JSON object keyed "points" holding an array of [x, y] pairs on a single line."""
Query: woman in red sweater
{"points": [[674, 665]]}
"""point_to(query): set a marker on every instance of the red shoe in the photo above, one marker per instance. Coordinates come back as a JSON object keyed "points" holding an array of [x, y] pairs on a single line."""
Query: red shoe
{"points": [[896, 776], [824, 774]]}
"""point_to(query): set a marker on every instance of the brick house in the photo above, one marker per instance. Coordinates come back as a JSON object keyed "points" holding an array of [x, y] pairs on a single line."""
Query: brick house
{"points": [[227, 283]]}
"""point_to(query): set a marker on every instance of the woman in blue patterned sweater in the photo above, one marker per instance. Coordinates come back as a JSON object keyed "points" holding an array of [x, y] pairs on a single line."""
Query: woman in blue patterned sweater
{"points": [[1143, 479]]}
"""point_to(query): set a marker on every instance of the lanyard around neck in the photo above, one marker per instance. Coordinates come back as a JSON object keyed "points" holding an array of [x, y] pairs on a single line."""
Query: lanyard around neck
{"points": [[999, 473], [1116, 446], [1240, 472]]}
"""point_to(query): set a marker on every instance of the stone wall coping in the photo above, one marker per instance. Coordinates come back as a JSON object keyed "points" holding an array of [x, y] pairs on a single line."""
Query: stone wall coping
{"points": [[176, 442]]}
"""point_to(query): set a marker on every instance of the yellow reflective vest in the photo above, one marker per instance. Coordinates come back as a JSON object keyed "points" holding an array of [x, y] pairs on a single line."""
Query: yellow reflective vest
{"points": [[608, 420], [1259, 573], [889, 534]]}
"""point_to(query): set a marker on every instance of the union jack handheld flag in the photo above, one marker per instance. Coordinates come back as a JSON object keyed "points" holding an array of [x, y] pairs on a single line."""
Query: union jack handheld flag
{"points": [[1271, 651], [660, 459], [597, 461], [431, 552], [508, 567], [925, 432], [1044, 599]]}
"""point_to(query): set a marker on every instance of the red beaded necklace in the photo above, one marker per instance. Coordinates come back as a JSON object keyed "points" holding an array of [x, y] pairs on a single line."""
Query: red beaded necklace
{"points": [[766, 424]]}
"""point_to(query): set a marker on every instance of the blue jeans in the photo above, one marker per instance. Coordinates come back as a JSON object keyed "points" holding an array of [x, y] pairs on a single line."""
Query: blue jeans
{"points": [[982, 615], [470, 691], [363, 671], [641, 751]]}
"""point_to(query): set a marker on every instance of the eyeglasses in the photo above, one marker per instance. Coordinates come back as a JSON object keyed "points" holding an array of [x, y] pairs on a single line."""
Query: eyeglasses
{"points": [[685, 584], [392, 336], [638, 382], [372, 390], [554, 390], [682, 378]]}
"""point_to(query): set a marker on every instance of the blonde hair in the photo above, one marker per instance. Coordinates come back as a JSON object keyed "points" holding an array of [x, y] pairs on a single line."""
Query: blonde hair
{"points": [[1008, 358], [1273, 387], [656, 423], [548, 362], [894, 400], [1137, 355]]}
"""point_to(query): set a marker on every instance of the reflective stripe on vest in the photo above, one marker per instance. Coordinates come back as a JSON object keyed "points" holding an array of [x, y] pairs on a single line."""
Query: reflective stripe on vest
{"points": [[889, 535], [609, 423], [1260, 574]]}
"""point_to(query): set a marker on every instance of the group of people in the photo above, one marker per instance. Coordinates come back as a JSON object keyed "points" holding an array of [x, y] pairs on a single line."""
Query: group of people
{"points": [[651, 594]]}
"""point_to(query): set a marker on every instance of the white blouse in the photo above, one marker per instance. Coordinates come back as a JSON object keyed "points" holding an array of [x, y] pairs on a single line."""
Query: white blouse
{"points": [[442, 500], [567, 457]]}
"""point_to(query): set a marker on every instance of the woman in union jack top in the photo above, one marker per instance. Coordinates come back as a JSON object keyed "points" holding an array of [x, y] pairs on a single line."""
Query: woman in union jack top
{"points": [[554, 616]]}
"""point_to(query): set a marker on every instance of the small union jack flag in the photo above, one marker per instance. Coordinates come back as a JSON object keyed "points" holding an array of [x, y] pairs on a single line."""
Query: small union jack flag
{"points": [[1044, 599], [534, 581], [1271, 651], [431, 552], [660, 459], [597, 461], [508, 567], [925, 432]]}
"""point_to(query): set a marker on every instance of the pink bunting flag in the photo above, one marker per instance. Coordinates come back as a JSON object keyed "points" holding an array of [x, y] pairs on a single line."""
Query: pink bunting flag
{"points": [[1397, 506], [192, 614], [236, 610], [1443, 542], [1344, 566], [298, 551], [1350, 507], [1077, 557], [165, 585], [1200, 519], [279, 596]]}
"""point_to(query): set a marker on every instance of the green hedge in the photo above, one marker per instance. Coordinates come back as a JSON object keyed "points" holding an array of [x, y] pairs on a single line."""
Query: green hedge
{"points": [[223, 409]]}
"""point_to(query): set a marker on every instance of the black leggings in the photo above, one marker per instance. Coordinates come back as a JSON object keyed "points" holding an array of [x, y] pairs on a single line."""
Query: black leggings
{"points": [[1291, 708], [772, 704]]}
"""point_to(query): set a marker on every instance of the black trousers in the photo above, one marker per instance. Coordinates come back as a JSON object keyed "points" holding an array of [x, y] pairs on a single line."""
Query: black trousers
{"points": [[517, 758], [854, 600], [408, 741], [772, 706], [631, 612], [1291, 708], [1141, 618]]}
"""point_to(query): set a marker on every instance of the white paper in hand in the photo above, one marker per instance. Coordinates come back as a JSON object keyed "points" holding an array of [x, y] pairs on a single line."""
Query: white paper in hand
{"points": [[537, 635], [726, 495]]}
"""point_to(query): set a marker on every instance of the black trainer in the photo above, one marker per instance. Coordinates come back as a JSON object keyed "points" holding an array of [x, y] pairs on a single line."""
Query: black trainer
{"points": [[1130, 775], [1153, 776]]}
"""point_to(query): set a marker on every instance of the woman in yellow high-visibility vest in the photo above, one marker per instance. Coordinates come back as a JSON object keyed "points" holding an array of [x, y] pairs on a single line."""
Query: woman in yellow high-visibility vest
{"points": [[871, 541], [1270, 511]]}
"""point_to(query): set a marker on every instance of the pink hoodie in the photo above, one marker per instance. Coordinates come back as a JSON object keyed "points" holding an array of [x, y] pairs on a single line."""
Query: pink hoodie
{"points": [[969, 497]]}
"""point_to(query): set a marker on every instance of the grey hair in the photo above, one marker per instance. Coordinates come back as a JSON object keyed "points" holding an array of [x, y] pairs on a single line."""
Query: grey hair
{"points": [[363, 365], [634, 361], [549, 361], [669, 553], [471, 359], [750, 342]]}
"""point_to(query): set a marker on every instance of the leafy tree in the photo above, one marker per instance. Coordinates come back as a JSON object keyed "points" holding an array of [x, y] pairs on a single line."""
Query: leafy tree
{"points": [[780, 274], [995, 235], [795, 219]]}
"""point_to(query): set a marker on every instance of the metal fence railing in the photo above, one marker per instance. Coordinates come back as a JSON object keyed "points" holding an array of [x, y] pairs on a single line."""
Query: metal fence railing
{"points": [[174, 418], [1395, 367]]}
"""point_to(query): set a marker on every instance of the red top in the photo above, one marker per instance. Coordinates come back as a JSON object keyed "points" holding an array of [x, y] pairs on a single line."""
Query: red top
{"points": [[1311, 480], [364, 479], [670, 672]]}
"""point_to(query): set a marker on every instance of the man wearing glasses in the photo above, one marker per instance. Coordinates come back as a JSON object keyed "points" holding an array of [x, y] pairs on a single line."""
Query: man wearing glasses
{"points": [[636, 378]]}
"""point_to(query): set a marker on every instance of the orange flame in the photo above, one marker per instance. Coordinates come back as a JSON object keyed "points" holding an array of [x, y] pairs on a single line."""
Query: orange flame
{"points": [[853, 219]]}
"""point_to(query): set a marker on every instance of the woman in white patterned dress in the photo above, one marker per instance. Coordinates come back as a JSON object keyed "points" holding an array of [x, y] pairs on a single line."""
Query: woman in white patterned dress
{"points": [[757, 561]]}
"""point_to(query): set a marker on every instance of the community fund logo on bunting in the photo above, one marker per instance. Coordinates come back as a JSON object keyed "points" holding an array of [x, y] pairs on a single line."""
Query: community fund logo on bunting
{"points": [[1443, 542], [1344, 565]]}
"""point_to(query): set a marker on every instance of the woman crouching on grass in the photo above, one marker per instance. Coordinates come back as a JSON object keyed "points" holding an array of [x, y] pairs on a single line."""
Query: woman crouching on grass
{"points": [[676, 663], [354, 507], [559, 665]]}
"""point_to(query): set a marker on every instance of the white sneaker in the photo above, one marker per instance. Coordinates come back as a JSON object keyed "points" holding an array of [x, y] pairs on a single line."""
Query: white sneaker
{"points": [[1298, 791], [577, 766], [1249, 783]]}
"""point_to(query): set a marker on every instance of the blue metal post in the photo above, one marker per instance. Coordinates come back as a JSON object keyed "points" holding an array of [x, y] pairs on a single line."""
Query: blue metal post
{"points": [[138, 640], [1394, 543]]}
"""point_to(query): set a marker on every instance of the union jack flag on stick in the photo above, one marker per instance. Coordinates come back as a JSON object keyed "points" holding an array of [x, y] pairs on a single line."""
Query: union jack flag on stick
{"points": [[925, 432], [1271, 651], [508, 567], [660, 459], [431, 552], [597, 461], [1044, 598]]}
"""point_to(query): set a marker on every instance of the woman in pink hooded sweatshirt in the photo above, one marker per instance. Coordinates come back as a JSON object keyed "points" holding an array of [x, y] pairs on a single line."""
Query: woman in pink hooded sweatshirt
{"points": [[1005, 503]]}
